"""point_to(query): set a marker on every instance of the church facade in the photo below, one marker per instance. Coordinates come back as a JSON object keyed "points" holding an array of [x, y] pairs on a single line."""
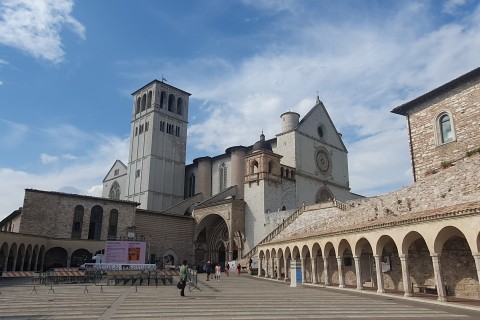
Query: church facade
{"points": [[237, 197]]}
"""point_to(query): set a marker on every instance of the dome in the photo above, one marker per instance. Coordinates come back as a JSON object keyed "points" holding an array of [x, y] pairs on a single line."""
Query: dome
{"points": [[262, 144]]}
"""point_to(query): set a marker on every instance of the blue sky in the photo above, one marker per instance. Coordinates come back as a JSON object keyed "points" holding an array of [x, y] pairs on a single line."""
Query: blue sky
{"points": [[67, 69]]}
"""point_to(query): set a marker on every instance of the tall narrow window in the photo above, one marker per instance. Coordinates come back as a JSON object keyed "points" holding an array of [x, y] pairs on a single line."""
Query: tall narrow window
{"points": [[77, 223], [171, 102], [137, 109], [95, 228], [144, 102], [112, 224], [149, 99], [445, 126], [115, 191], [222, 174], [162, 99], [180, 106], [191, 186]]}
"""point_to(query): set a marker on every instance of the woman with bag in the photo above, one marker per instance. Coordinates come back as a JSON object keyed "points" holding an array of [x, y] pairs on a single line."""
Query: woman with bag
{"points": [[183, 277]]}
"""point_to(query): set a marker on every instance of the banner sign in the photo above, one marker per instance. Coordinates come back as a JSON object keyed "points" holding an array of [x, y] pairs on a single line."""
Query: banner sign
{"points": [[119, 266], [125, 252]]}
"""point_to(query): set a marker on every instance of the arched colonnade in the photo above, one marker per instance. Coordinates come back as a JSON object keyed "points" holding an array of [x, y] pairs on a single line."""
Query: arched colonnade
{"points": [[439, 255]]}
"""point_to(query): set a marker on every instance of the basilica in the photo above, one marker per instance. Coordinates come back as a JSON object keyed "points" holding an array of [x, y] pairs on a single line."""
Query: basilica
{"points": [[279, 201]]}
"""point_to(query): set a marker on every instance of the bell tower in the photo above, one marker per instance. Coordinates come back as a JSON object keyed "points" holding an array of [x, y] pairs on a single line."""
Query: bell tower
{"points": [[262, 189], [158, 140]]}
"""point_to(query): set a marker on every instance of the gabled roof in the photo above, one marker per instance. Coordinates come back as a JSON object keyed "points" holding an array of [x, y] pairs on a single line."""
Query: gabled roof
{"points": [[404, 108], [321, 105], [111, 168], [11, 216]]}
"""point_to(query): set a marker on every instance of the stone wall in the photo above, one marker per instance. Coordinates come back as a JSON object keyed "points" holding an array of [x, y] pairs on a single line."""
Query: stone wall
{"points": [[166, 234], [451, 186], [50, 214], [463, 105]]}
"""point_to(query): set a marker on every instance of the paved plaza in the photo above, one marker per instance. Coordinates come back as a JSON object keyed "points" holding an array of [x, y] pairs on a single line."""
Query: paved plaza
{"points": [[234, 297]]}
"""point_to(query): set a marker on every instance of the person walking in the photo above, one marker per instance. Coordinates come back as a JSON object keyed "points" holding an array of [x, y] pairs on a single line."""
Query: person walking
{"points": [[227, 269], [239, 268], [183, 277], [209, 270], [218, 271]]}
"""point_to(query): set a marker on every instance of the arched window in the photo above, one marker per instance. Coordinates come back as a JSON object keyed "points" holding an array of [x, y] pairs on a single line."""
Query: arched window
{"points": [[137, 109], [114, 191], [180, 106], [112, 224], [144, 102], [445, 128], [95, 228], [171, 101], [324, 195], [77, 222], [162, 99], [254, 167], [149, 99], [222, 174], [270, 166]]}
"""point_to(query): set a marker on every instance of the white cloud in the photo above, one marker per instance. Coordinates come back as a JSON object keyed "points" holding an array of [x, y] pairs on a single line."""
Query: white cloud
{"points": [[450, 6], [46, 159], [81, 175], [12, 133], [34, 26], [361, 74], [1, 83]]}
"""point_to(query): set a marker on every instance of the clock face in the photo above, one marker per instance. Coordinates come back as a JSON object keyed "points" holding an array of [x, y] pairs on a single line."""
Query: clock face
{"points": [[322, 160]]}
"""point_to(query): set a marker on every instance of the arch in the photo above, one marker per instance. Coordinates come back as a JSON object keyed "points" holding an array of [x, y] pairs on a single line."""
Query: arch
{"points": [[3, 256], [112, 224], [95, 228], [324, 195], [12, 257], [115, 191], [55, 257], [444, 127], [171, 103], [169, 258], [316, 249], [253, 167], [79, 257], [20, 257], [28, 258], [163, 99], [343, 246], [144, 102], [137, 108], [295, 253], [149, 99], [270, 166], [445, 234], [329, 249], [409, 238], [180, 106], [361, 245], [77, 224]]}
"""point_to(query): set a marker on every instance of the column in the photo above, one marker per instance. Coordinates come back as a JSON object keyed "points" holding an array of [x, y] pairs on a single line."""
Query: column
{"points": [[476, 256], [358, 273], [325, 271], [287, 268], [302, 264], [22, 261], [407, 286], [378, 269], [437, 270], [314, 271], [341, 279], [35, 267], [6, 263], [266, 267], [277, 268], [30, 262], [259, 267]]}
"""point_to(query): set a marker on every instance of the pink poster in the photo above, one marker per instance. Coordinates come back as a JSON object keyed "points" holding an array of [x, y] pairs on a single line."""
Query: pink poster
{"points": [[130, 252]]}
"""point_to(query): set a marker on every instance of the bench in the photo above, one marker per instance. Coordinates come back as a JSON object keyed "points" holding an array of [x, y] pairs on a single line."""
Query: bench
{"points": [[428, 288]]}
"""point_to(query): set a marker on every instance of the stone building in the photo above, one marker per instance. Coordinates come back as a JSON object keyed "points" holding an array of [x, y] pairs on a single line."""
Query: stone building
{"points": [[423, 237], [282, 199], [236, 197]]}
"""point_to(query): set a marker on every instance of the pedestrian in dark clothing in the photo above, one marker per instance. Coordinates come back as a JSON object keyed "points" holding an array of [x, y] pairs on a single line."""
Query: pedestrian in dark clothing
{"points": [[209, 270], [183, 277], [239, 268]]}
